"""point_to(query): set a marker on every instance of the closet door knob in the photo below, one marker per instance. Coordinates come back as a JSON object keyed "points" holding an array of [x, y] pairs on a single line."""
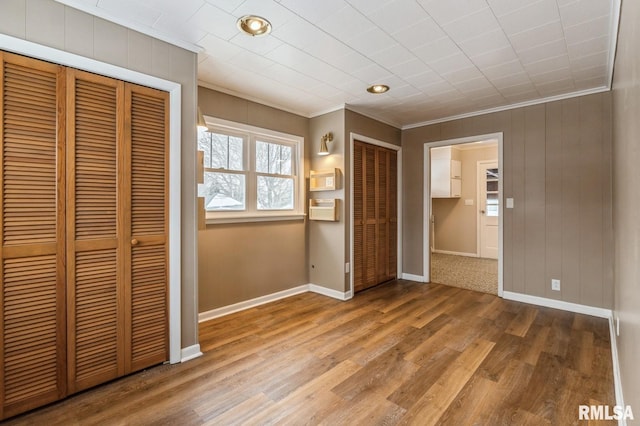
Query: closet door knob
{"points": [[134, 242]]}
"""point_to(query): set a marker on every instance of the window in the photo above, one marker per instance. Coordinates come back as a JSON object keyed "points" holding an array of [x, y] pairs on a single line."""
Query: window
{"points": [[250, 173]]}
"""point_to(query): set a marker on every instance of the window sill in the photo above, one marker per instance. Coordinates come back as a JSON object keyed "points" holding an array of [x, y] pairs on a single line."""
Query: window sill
{"points": [[249, 219]]}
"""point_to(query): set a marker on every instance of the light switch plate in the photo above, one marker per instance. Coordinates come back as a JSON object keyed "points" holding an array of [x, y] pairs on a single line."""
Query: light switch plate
{"points": [[509, 203]]}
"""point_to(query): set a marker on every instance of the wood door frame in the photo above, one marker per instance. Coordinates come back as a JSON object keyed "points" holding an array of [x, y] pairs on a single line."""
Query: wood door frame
{"points": [[427, 208], [34, 50], [479, 191], [353, 137]]}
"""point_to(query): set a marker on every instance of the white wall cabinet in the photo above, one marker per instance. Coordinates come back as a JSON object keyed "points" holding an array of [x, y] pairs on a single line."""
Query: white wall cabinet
{"points": [[446, 176]]}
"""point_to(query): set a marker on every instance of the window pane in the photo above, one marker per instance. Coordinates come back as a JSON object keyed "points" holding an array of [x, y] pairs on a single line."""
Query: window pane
{"points": [[262, 157], [492, 173], [275, 193], [224, 191], [226, 152], [492, 185], [273, 158], [204, 144]]}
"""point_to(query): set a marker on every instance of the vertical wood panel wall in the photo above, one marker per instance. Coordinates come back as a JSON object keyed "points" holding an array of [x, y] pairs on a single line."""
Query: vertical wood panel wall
{"points": [[53, 24], [557, 167]]}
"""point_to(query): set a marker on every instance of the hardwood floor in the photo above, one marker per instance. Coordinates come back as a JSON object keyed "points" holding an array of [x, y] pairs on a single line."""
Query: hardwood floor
{"points": [[400, 353]]}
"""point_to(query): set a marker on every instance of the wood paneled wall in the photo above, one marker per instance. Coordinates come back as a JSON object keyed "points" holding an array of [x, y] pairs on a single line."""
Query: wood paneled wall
{"points": [[53, 24], [557, 167], [626, 199]]}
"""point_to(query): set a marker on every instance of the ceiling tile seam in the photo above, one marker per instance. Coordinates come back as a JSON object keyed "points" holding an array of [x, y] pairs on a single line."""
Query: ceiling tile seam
{"points": [[510, 44], [566, 46], [321, 59], [513, 48], [454, 42]]}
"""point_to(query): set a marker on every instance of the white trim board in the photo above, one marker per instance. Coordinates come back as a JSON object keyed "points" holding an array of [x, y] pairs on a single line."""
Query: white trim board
{"points": [[455, 253], [252, 303], [558, 304], [335, 294], [34, 50], [617, 381], [411, 277], [190, 352]]}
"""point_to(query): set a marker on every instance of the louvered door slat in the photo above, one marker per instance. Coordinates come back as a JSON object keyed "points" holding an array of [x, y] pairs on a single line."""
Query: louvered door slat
{"points": [[149, 206], [32, 338], [95, 298]]}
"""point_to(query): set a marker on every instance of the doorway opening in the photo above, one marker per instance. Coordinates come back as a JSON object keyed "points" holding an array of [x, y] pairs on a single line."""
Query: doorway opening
{"points": [[463, 213]]}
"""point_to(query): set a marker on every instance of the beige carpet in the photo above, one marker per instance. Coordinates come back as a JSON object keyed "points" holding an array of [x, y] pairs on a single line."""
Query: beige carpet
{"points": [[472, 273]]}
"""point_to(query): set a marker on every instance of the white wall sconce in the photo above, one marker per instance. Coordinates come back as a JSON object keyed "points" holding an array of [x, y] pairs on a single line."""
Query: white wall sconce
{"points": [[324, 149]]}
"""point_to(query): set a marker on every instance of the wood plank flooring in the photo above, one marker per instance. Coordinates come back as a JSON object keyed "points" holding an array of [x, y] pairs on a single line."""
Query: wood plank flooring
{"points": [[401, 353]]}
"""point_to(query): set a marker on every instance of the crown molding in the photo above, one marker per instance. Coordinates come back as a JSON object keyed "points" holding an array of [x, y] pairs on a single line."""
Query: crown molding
{"points": [[373, 116], [613, 40], [255, 99], [132, 25], [509, 107]]}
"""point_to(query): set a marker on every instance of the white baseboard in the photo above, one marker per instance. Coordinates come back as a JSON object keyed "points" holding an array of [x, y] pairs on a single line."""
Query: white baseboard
{"points": [[247, 304], [190, 352], [252, 303], [411, 277], [558, 304], [330, 292], [617, 381], [456, 253]]}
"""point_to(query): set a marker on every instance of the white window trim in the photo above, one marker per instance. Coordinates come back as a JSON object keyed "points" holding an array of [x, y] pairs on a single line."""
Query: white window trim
{"points": [[271, 136]]}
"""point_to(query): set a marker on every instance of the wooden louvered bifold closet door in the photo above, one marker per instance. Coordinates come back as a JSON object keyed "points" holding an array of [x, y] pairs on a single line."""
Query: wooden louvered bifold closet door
{"points": [[375, 215], [83, 231], [32, 316], [117, 220], [147, 274], [95, 291]]}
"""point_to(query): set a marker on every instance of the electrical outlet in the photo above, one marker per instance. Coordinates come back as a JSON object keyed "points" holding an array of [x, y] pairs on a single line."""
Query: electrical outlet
{"points": [[555, 285]]}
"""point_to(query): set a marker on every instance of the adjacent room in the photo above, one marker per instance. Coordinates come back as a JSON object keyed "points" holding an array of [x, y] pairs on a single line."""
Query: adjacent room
{"points": [[221, 212]]}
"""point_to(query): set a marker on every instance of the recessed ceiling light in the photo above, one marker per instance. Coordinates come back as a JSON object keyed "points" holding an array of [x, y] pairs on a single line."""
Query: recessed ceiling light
{"points": [[254, 25], [378, 88]]}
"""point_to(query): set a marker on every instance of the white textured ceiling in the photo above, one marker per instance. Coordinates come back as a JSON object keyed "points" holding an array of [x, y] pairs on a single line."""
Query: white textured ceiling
{"points": [[441, 58]]}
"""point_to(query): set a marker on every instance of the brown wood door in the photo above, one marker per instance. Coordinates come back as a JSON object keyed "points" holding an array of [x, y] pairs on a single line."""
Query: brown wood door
{"points": [[375, 215], [117, 223], [147, 226], [84, 225], [32, 316], [95, 234]]}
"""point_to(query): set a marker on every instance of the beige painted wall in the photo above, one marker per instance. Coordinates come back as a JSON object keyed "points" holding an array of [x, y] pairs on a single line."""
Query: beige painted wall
{"points": [[557, 167], [456, 224], [626, 200], [242, 261], [326, 239], [52, 24]]}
